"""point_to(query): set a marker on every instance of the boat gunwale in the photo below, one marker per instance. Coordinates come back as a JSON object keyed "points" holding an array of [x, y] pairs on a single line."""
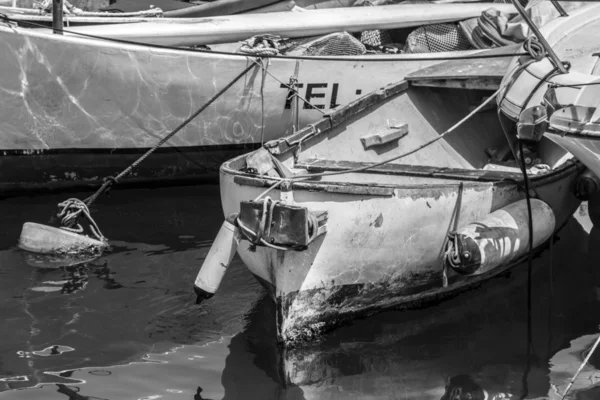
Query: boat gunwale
{"points": [[45, 32], [336, 117], [387, 190], [575, 134]]}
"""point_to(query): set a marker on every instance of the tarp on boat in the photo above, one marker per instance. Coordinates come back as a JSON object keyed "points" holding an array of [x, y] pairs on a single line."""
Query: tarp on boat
{"points": [[495, 28]]}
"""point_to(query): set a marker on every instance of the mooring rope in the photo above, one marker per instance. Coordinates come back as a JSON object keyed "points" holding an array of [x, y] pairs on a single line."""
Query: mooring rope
{"points": [[73, 208], [264, 45], [387, 161], [71, 211]]}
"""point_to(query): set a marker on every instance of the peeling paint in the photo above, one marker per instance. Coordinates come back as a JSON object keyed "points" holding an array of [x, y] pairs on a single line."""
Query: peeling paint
{"points": [[379, 221]]}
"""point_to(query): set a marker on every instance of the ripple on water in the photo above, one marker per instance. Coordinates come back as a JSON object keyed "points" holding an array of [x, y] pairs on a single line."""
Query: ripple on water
{"points": [[125, 325]]}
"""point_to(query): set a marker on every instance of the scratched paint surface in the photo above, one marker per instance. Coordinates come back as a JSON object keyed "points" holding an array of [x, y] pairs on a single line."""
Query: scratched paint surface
{"points": [[125, 327], [58, 93]]}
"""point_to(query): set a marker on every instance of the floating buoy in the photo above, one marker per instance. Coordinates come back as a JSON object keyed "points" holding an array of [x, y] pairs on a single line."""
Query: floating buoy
{"points": [[44, 239], [499, 238], [217, 260], [586, 185]]}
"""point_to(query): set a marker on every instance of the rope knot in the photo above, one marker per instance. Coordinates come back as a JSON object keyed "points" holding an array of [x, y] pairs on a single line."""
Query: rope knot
{"points": [[262, 45], [70, 211], [111, 179], [535, 49]]}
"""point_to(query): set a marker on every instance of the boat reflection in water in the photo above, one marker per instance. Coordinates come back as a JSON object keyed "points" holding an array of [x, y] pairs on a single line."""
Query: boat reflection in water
{"points": [[74, 273], [477, 343]]}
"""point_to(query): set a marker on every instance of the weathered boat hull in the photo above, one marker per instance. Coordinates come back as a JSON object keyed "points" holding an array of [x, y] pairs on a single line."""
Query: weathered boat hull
{"points": [[73, 109], [380, 251]]}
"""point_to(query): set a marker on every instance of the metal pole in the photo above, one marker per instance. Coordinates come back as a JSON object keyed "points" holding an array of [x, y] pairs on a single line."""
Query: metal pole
{"points": [[57, 16], [540, 37], [559, 8]]}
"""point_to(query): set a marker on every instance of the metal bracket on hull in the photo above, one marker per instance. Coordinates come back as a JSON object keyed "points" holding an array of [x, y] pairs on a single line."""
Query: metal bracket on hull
{"points": [[280, 224]]}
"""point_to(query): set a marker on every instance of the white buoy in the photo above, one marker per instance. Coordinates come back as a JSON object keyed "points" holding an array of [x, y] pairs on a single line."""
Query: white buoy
{"points": [[217, 260], [44, 239]]}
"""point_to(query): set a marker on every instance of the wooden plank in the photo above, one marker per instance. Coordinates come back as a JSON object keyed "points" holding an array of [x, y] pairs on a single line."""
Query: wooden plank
{"points": [[467, 83], [484, 73], [227, 29], [337, 187], [316, 166]]}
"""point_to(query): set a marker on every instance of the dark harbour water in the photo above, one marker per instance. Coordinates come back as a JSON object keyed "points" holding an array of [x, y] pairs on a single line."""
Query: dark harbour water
{"points": [[125, 326]]}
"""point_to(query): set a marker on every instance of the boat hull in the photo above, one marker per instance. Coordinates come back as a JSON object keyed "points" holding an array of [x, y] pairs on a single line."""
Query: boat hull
{"points": [[585, 148], [106, 103], [380, 251]]}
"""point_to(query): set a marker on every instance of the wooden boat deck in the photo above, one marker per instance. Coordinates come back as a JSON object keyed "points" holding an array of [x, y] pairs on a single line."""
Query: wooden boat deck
{"points": [[483, 73]]}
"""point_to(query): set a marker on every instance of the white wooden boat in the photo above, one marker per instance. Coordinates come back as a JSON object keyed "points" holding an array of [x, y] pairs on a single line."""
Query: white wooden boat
{"points": [[366, 233], [77, 109], [232, 28]]}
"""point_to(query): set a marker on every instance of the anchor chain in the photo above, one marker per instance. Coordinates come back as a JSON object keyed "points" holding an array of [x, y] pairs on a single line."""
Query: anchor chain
{"points": [[73, 208]]}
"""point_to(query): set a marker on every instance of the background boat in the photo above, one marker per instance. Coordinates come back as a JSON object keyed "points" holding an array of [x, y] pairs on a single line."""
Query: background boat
{"points": [[77, 109]]}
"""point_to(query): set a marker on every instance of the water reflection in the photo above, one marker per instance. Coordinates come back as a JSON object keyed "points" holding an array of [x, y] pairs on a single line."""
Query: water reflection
{"points": [[485, 343], [476, 343]]}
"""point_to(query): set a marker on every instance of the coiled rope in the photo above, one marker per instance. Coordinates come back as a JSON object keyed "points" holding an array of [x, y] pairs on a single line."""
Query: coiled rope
{"points": [[263, 45], [72, 209]]}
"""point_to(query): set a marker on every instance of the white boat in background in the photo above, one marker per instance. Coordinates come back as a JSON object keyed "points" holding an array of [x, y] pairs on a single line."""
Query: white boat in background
{"points": [[76, 109], [232, 28], [32, 18]]}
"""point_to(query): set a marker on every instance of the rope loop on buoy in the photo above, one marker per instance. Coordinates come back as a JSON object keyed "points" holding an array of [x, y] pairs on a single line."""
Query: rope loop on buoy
{"points": [[71, 210]]}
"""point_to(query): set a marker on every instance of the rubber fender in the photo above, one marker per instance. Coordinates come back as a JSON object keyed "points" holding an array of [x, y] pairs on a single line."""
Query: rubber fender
{"points": [[499, 238], [217, 261]]}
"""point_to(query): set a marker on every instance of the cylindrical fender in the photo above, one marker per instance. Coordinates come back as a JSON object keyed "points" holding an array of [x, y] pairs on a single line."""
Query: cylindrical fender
{"points": [[217, 260], [499, 238]]}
